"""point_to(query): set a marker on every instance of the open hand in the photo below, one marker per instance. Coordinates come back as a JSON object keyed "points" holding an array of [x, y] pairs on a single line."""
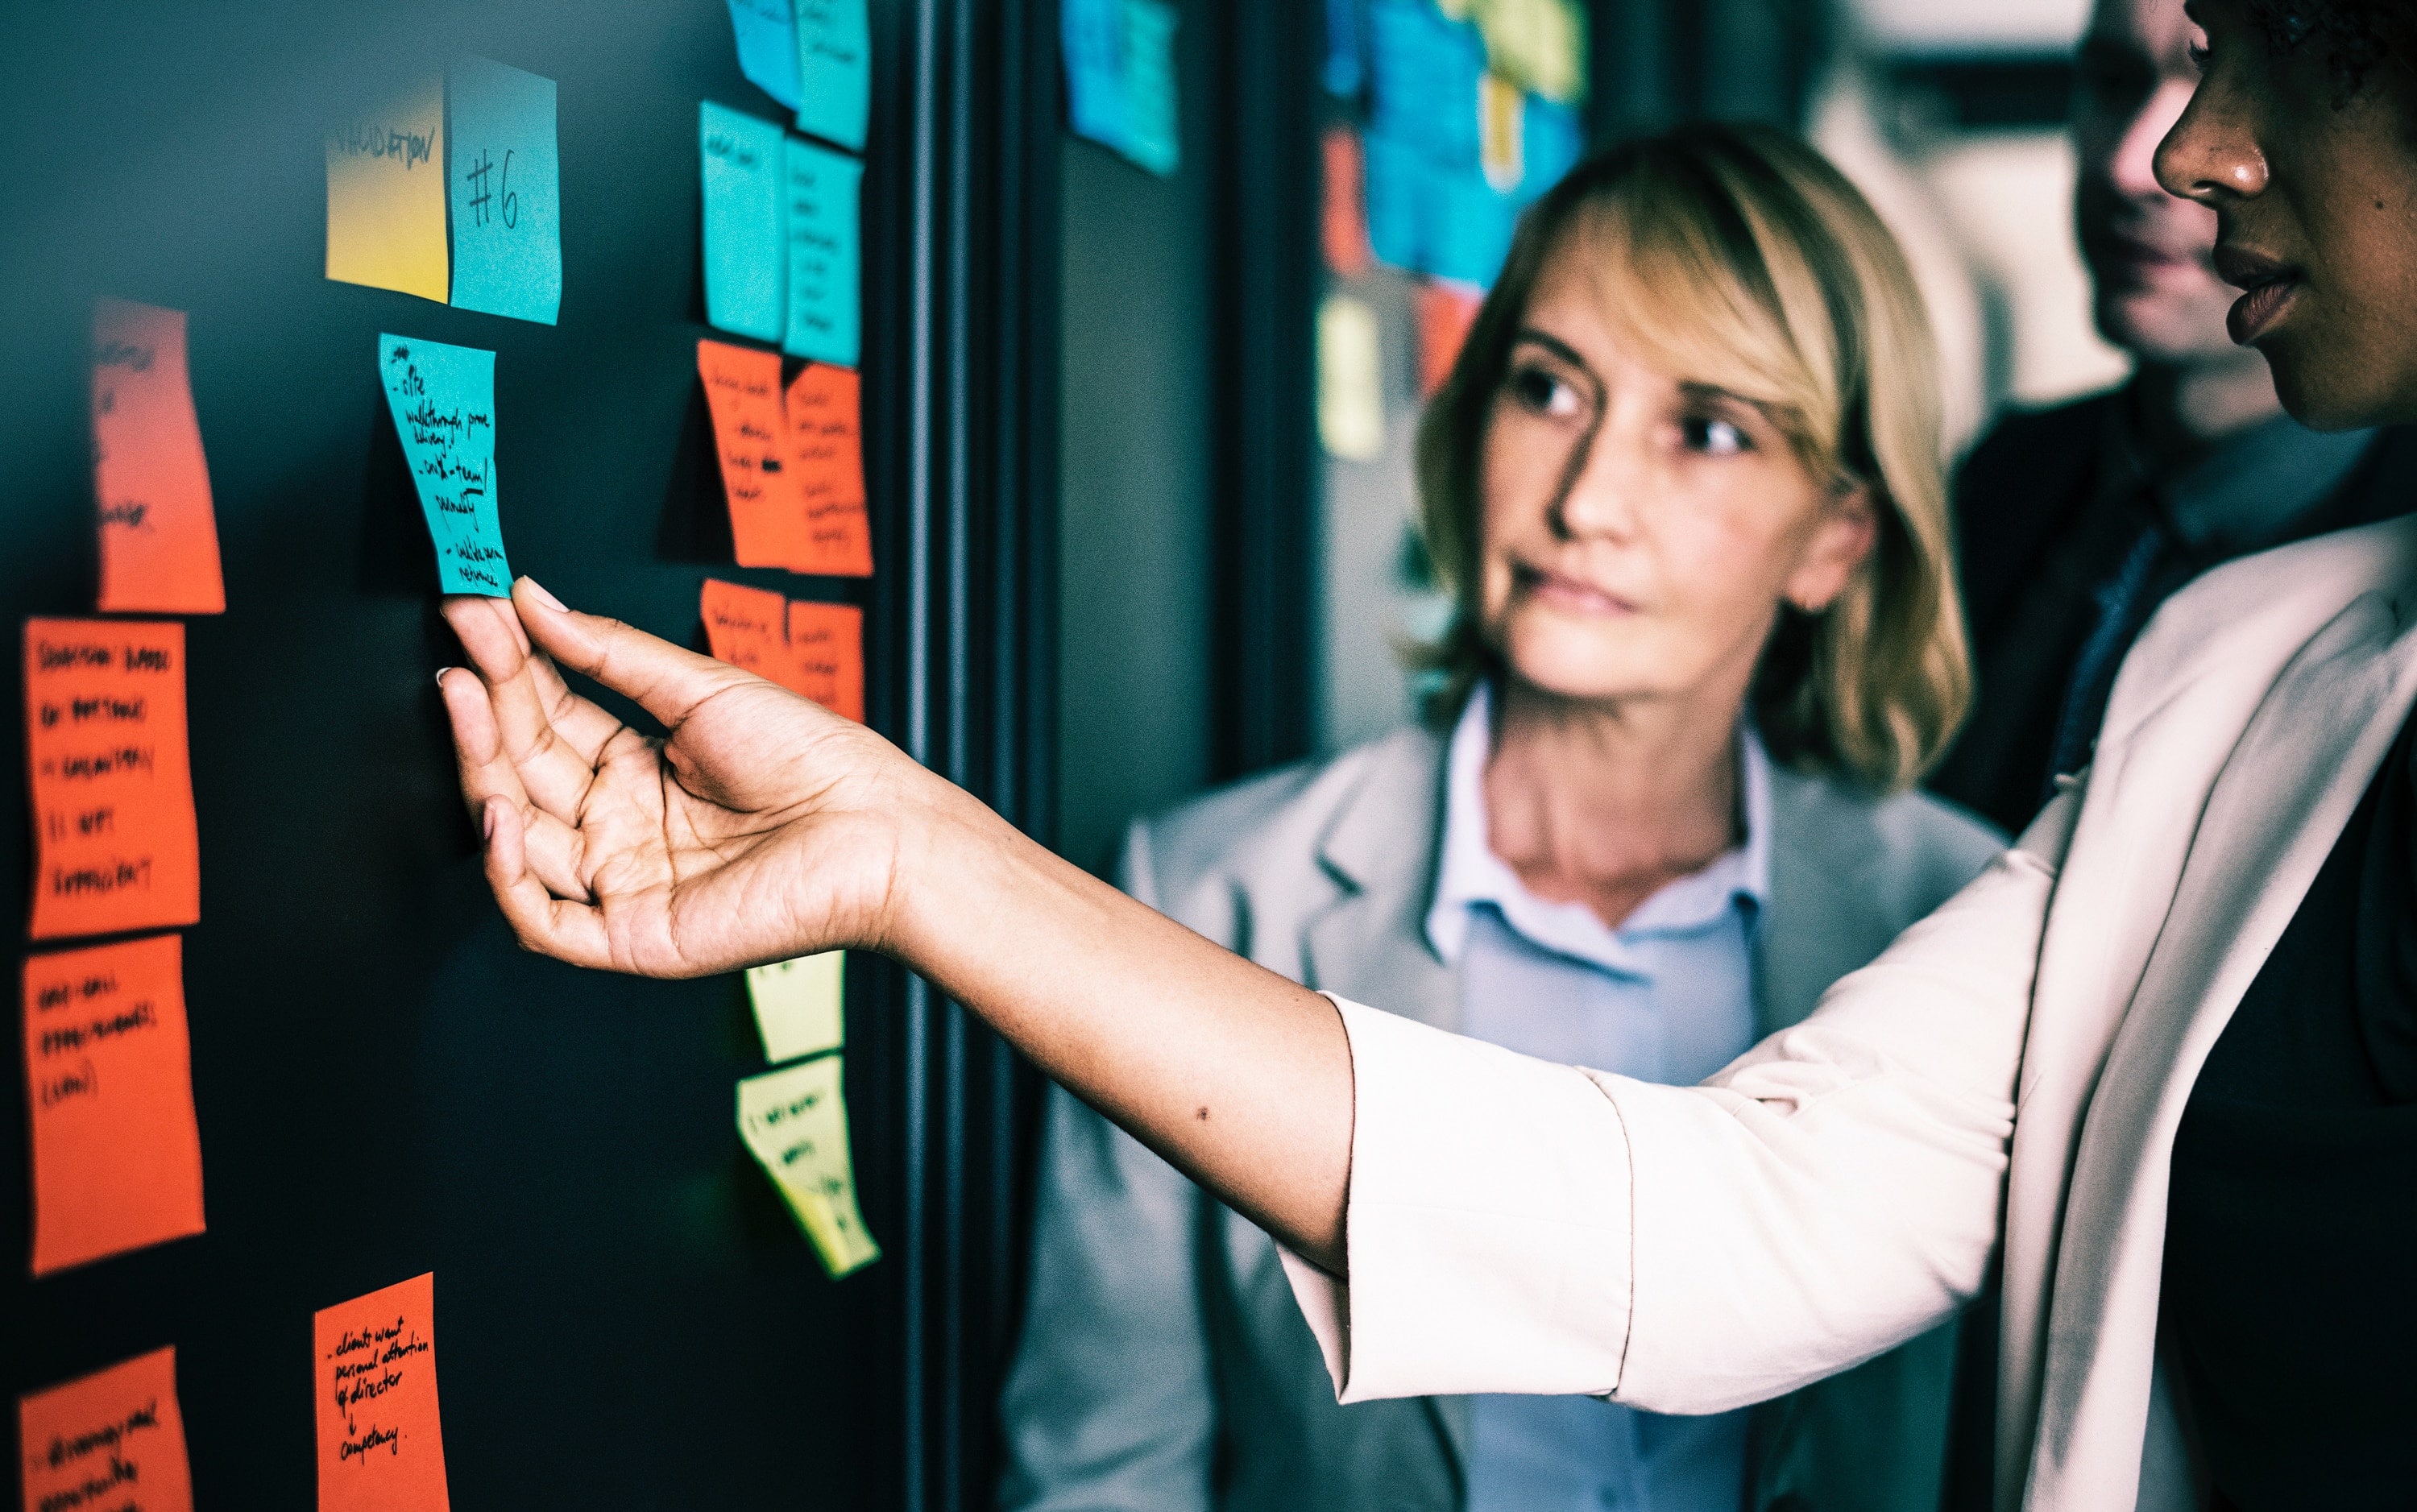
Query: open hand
{"points": [[760, 827]]}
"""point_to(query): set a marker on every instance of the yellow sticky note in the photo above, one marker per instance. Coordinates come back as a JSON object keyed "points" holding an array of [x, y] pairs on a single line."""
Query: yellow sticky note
{"points": [[385, 194], [1538, 44], [794, 1122], [1350, 392], [797, 1005]]}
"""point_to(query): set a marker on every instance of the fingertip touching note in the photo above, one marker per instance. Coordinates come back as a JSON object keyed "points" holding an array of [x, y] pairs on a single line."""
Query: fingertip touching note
{"points": [[159, 535], [443, 400]]}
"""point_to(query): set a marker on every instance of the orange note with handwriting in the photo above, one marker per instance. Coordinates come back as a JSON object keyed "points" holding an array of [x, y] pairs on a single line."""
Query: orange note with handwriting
{"points": [[827, 447], [1445, 316], [112, 1441], [747, 627], [109, 1094], [827, 647], [159, 537], [742, 390], [381, 1447], [1342, 230], [115, 843]]}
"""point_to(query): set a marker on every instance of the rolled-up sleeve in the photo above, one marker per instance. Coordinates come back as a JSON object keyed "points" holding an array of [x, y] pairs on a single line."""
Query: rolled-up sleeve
{"points": [[1518, 1226]]}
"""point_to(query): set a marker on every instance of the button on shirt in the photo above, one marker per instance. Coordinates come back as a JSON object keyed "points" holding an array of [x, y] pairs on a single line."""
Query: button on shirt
{"points": [[1669, 997]]}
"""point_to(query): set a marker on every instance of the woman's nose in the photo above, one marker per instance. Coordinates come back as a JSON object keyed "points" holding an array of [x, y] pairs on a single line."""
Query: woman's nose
{"points": [[2211, 156]]}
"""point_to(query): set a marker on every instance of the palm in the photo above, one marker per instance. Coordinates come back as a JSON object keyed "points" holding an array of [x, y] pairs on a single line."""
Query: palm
{"points": [[723, 845]]}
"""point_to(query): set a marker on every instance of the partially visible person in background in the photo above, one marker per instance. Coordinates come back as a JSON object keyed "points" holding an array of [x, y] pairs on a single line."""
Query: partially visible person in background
{"points": [[1707, 635], [2075, 522]]}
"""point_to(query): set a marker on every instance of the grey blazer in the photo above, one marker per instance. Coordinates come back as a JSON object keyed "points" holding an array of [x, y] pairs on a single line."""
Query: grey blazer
{"points": [[1164, 1367]]}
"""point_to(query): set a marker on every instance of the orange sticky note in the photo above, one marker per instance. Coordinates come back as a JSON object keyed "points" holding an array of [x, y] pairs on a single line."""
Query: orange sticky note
{"points": [[748, 627], [108, 1092], [742, 388], [1445, 316], [114, 841], [1344, 227], [381, 1448], [826, 445], [159, 539], [827, 647], [112, 1441]]}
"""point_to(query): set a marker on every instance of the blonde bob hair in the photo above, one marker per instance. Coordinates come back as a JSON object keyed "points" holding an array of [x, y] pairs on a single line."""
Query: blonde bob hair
{"points": [[1735, 256]]}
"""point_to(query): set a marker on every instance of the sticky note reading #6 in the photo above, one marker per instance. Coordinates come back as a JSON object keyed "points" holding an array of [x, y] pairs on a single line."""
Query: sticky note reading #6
{"points": [[159, 539], [385, 193], [820, 191], [109, 1095], [112, 1441], [116, 847], [507, 197], [443, 399], [746, 266], [373, 1365]]}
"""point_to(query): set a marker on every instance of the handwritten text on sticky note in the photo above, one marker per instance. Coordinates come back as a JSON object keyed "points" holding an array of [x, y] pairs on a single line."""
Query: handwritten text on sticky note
{"points": [[797, 1005], [820, 210], [827, 455], [794, 1123], [742, 391], [385, 193], [746, 261], [380, 1444], [108, 1092], [159, 537], [443, 400], [110, 1442], [827, 648], [114, 841], [766, 33], [507, 197], [747, 627], [834, 70]]}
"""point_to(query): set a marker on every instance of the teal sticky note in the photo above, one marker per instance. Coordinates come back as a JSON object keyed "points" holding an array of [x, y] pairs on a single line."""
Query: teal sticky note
{"points": [[767, 47], [443, 399], [504, 193], [746, 263], [1151, 118], [819, 211], [834, 70]]}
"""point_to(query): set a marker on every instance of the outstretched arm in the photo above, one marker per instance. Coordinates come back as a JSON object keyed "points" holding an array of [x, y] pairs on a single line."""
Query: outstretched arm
{"points": [[761, 827]]}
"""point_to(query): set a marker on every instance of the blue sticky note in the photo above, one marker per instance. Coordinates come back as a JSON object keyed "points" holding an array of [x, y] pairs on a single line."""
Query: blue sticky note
{"points": [[1090, 37], [1397, 201], [819, 210], [1152, 119], [767, 47], [834, 70], [443, 399], [1343, 73], [746, 262], [1424, 85], [1552, 139], [1468, 228], [503, 191]]}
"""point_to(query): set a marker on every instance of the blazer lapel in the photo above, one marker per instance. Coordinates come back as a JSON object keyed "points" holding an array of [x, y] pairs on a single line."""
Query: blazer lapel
{"points": [[2265, 831], [1825, 918]]}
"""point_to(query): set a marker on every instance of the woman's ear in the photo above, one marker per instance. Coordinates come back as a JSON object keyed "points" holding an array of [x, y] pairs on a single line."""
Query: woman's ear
{"points": [[1841, 542]]}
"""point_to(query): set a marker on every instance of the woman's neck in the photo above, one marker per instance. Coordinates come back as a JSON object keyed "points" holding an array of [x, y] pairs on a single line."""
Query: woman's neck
{"points": [[1605, 804]]}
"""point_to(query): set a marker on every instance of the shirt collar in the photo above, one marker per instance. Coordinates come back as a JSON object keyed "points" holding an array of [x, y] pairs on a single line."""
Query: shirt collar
{"points": [[1470, 876]]}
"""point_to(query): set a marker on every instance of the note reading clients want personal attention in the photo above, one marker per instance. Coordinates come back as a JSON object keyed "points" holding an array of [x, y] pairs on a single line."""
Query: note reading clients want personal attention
{"points": [[443, 400], [116, 847], [381, 1446]]}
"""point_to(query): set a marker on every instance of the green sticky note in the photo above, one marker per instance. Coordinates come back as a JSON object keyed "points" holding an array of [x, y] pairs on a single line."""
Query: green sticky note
{"points": [[794, 1123], [443, 399], [820, 220], [834, 70], [797, 1005], [767, 46], [746, 264], [505, 193]]}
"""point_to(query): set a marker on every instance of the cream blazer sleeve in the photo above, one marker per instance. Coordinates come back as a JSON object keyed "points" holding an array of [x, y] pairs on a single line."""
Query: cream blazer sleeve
{"points": [[1518, 1226]]}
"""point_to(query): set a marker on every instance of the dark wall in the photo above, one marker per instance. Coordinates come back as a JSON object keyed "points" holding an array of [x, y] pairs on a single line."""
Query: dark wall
{"points": [[386, 1086]]}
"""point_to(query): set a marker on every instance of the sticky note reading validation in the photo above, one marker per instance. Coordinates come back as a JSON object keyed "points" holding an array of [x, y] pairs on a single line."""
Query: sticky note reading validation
{"points": [[112, 1441], [109, 1095], [385, 193], [115, 842], [443, 400], [380, 1442]]}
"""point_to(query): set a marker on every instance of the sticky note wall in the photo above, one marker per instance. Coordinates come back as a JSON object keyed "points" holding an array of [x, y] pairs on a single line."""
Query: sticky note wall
{"points": [[115, 845], [816, 651], [112, 1441], [159, 536], [442, 401], [381, 1439], [109, 1094]]}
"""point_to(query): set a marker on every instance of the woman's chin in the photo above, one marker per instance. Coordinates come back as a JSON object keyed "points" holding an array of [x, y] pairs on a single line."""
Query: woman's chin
{"points": [[2330, 386]]}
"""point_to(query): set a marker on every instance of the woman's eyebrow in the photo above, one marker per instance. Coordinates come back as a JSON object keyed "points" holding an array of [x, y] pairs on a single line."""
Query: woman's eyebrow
{"points": [[1715, 394], [1554, 344]]}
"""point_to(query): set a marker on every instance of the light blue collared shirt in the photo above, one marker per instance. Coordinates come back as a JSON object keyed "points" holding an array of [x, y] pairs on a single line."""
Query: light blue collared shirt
{"points": [[1669, 997]]}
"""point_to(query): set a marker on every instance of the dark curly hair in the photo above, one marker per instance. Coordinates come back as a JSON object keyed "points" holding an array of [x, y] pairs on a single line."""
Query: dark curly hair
{"points": [[2356, 34]]}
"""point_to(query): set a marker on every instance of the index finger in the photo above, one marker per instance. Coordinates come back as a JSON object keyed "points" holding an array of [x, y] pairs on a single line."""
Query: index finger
{"points": [[665, 680]]}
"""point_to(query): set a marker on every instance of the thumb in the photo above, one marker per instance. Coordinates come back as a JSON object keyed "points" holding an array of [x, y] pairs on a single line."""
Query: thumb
{"points": [[666, 680]]}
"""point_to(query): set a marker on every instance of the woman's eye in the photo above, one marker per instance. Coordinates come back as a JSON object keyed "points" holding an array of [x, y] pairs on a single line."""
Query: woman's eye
{"points": [[1715, 437], [1544, 392]]}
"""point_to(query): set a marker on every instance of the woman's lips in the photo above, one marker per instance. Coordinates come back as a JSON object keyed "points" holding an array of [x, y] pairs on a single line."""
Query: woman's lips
{"points": [[1570, 594], [2269, 285]]}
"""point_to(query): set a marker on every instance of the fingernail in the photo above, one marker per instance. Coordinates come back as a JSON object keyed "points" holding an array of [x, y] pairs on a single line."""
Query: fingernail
{"points": [[537, 591], [440, 675], [487, 820]]}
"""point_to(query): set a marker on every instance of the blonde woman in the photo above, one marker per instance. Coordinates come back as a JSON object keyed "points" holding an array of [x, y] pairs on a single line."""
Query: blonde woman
{"points": [[1684, 484]]}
